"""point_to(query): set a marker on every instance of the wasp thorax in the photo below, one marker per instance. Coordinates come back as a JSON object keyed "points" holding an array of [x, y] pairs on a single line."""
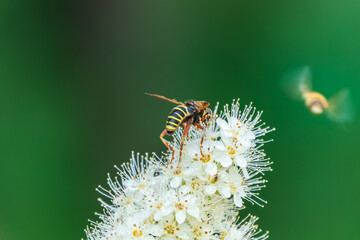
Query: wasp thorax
{"points": [[316, 102]]}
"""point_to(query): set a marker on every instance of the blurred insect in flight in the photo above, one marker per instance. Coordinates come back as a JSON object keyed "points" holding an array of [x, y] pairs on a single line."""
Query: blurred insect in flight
{"points": [[298, 84], [187, 114]]}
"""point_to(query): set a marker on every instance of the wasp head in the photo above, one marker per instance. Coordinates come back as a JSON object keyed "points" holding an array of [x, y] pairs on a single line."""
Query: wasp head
{"points": [[206, 114]]}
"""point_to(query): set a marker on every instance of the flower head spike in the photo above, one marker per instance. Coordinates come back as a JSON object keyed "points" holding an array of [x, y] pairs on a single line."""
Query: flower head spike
{"points": [[199, 198]]}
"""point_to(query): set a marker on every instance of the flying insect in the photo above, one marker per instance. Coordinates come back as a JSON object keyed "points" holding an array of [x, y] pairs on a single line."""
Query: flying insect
{"points": [[298, 85], [184, 114]]}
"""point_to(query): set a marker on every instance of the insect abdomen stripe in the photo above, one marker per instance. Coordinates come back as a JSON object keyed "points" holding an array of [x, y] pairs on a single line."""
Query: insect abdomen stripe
{"points": [[171, 128], [179, 115], [173, 123], [175, 118], [181, 109]]}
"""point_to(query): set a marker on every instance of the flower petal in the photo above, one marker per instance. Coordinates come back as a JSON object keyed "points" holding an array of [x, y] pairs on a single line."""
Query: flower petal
{"points": [[242, 192], [245, 172], [225, 191], [211, 189], [193, 211], [222, 124], [180, 216], [238, 200], [211, 168], [190, 199], [157, 216], [155, 230], [166, 210], [174, 183], [224, 160], [250, 135], [233, 121], [241, 161], [219, 145], [227, 133], [184, 189], [149, 238]]}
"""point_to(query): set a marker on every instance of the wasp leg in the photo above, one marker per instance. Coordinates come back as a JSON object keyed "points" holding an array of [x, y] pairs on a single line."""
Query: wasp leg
{"points": [[199, 126], [164, 141], [185, 133], [202, 138], [204, 118], [167, 145]]}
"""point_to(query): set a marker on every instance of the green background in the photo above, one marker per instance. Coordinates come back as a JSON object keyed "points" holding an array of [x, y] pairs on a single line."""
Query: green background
{"points": [[73, 76]]}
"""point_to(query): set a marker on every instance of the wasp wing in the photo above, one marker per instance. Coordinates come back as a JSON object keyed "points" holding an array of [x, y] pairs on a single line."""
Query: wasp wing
{"points": [[341, 107], [165, 98], [200, 104], [297, 82]]}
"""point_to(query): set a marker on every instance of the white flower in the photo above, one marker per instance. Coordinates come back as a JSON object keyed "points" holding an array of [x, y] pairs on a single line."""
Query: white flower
{"points": [[169, 228], [203, 230], [229, 151], [230, 128], [175, 176], [237, 186], [182, 204], [156, 202], [203, 156], [137, 228], [217, 184], [245, 230], [225, 152], [155, 198]]}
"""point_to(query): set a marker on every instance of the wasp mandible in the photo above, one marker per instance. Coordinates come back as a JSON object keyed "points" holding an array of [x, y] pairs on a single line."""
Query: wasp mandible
{"points": [[187, 114]]}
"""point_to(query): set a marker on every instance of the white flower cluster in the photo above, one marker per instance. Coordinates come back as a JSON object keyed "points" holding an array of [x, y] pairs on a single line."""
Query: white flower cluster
{"points": [[200, 198]]}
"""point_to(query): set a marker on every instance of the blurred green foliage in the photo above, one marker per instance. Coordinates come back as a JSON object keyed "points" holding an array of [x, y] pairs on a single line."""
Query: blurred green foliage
{"points": [[72, 81]]}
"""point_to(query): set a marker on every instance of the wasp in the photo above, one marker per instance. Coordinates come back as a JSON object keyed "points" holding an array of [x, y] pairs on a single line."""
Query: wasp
{"points": [[184, 114], [339, 108]]}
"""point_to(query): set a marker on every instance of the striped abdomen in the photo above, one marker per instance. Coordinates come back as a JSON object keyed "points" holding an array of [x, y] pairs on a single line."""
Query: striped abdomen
{"points": [[177, 116]]}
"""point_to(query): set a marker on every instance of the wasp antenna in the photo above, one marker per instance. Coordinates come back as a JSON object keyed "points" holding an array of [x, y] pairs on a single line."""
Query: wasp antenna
{"points": [[165, 98]]}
